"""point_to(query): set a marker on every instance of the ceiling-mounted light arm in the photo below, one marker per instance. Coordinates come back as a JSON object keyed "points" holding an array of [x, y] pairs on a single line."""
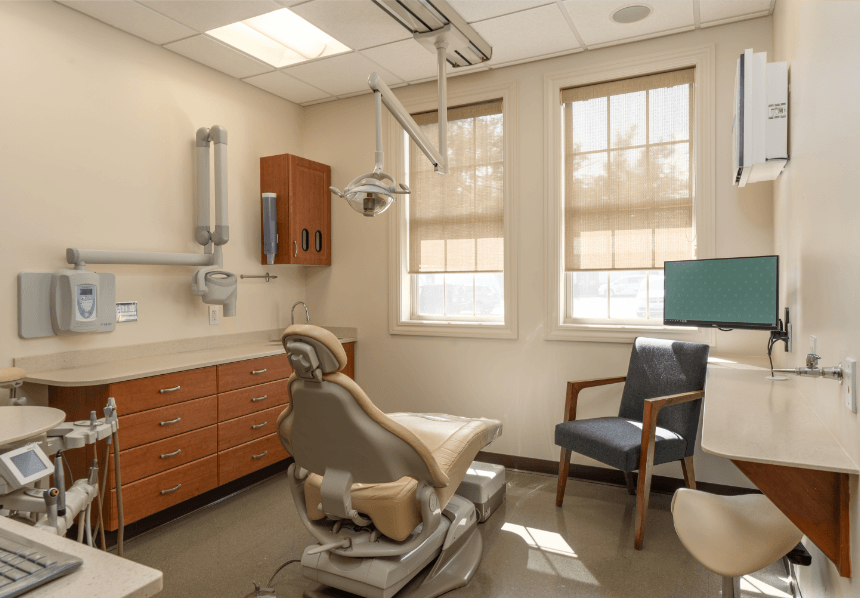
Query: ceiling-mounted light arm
{"points": [[439, 158]]}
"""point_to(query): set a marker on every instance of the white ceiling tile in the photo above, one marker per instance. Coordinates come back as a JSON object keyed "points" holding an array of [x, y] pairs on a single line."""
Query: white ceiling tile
{"points": [[593, 19], [718, 10], [527, 34], [206, 50], [287, 87], [481, 10], [340, 75], [359, 25], [205, 15], [408, 59], [133, 18]]}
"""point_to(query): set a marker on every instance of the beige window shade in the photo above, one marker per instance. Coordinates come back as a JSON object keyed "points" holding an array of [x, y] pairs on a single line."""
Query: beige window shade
{"points": [[457, 221], [628, 187]]}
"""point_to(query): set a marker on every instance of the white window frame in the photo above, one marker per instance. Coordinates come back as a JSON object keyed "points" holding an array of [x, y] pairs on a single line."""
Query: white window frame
{"points": [[401, 320], [703, 59]]}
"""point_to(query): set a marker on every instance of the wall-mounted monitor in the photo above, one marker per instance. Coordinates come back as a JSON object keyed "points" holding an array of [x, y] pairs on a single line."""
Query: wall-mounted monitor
{"points": [[723, 293]]}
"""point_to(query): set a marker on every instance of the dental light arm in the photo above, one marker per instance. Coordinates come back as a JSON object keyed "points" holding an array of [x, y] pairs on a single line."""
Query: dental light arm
{"points": [[368, 194]]}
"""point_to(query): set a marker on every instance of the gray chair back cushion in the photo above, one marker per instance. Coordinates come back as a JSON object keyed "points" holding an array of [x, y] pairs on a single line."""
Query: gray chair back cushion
{"points": [[659, 368]]}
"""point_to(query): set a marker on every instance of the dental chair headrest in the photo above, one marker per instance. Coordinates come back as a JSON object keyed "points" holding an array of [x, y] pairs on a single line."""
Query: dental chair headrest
{"points": [[313, 351]]}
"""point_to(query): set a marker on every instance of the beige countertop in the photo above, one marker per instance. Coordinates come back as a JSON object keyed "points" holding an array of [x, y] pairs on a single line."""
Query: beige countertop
{"points": [[103, 574], [141, 361], [749, 418]]}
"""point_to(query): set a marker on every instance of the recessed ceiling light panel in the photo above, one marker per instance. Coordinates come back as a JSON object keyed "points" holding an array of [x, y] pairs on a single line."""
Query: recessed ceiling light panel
{"points": [[631, 14], [279, 38]]}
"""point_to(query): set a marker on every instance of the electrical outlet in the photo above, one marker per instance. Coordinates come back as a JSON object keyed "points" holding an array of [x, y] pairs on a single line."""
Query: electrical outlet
{"points": [[849, 383], [213, 315]]}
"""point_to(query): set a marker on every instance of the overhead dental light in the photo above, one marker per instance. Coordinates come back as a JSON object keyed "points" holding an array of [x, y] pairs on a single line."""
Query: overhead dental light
{"points": [[371, 194]]}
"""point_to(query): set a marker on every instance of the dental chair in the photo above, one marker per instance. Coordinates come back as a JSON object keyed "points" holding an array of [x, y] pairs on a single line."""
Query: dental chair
{"points": [[376, 490]]}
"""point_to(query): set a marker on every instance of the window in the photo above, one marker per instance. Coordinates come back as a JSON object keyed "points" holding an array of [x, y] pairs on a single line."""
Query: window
{"points": [[453, 274], [628, 194], [457, 221], [630, 187]]}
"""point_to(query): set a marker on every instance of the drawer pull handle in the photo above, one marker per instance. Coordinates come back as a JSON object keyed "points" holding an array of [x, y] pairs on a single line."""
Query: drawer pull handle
{"points": [[173, 454], [260, 456], [166, 390], [258, 426], [258, 399], [177, 487], [255, 372], [173, 421]]}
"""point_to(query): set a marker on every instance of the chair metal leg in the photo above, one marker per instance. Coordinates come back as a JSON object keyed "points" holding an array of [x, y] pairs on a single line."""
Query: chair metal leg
{"points": [[731, 587], [689, 473], [563, 470], [630, 480]]}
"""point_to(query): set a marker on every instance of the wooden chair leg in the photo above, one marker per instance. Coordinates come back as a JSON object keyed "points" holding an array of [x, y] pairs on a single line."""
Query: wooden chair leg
{"points": [[689, 472], [631, 482], [646, 464], [563, 470]]}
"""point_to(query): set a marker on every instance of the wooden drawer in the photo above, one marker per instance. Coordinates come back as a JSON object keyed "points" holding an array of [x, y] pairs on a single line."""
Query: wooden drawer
{"points": [[349, 370], [237, 403], [249, 457], [251, 372], [152, 425], [247, 428], [157, 391], [155, 457], [145, 496]]}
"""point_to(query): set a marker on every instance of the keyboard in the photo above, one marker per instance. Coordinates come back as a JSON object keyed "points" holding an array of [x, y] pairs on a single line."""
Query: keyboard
{"points": [[25, 565]]}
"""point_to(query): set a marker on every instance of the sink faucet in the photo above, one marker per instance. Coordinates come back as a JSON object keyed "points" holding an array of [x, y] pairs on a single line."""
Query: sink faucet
{"points": [[293, 313], [813, 370]]}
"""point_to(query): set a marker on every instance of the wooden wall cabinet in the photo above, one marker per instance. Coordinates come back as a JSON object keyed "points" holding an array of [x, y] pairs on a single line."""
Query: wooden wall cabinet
{"points": [[304, 209]]}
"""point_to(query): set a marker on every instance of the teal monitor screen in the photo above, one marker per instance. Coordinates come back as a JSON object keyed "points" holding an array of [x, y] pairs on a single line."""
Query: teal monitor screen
{"points": [[723, 293]]}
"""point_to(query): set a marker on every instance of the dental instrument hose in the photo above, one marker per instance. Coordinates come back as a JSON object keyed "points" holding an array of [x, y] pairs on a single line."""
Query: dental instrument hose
{"points": [[118, 480]]}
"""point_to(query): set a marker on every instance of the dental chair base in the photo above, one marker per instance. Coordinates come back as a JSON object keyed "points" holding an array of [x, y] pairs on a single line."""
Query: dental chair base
{"points": [[484, 485], [455, 545]]}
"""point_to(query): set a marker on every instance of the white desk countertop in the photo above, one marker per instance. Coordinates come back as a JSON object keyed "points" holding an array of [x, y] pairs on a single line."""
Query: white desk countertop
{"points": [[103, 574], [749, 418]]}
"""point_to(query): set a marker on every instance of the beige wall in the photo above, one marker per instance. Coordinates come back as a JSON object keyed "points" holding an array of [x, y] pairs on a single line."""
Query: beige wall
{"points": [[816, 221], [520, 382], [97, 152]]}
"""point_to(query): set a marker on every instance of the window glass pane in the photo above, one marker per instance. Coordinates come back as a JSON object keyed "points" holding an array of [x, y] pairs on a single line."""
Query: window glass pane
{"points": [[459, 294], [590, 291], [627, 116], [430, 295], [587, 127], [490, 294], [656, 286], [669, 118], [625, 288]]}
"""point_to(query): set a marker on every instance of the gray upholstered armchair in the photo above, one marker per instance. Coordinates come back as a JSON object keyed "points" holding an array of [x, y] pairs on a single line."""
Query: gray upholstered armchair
{"points": [[657, 423]]}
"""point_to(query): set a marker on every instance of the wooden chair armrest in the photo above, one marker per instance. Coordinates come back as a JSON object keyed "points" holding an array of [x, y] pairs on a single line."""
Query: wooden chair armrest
{"points": [[574, 387], [658, 403], [649, 422]]}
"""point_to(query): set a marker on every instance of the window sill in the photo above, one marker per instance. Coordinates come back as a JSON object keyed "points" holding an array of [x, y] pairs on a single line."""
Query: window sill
{"points": [[625, 333], [498, 330]]}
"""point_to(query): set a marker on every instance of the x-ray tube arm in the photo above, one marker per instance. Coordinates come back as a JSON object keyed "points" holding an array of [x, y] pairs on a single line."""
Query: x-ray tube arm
{"points": [[149, 258], [218, 135], [203, 234]]}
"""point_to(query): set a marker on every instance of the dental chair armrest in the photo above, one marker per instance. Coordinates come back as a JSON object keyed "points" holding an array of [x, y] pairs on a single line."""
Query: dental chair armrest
{"points": [[574, 387]]}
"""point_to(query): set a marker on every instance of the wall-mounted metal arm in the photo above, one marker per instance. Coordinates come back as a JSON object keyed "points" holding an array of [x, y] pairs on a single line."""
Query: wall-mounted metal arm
{"points": [[812, 370]]}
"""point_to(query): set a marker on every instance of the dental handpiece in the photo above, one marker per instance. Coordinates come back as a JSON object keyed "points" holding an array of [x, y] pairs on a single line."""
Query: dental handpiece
{"points": [[50, 495], [60, 481]]}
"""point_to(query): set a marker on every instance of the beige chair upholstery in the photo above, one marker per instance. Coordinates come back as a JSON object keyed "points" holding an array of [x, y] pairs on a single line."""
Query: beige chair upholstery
{"points": [[732, 536], [445, 444]]}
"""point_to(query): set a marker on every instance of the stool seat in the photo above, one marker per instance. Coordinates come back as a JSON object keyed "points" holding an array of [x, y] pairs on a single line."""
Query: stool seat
{"points": [[732, 536], [11, 375]]}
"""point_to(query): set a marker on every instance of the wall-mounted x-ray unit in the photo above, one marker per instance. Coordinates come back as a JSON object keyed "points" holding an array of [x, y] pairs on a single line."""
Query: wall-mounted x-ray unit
{"points": [[760, 125]]}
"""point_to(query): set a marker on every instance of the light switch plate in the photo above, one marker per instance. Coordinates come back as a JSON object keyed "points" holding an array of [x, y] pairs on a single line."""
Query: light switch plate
{"points": [[849, 383]]}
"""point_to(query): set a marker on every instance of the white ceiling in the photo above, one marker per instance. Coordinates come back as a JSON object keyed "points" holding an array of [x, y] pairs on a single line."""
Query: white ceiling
{"points": [[518, 30]]}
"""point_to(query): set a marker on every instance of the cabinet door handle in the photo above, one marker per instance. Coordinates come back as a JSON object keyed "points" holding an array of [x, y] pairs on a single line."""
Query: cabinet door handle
{"points": [[174, 489], [166, 390], [296, 247], [173, 454], [258, 399], [260, 456], [173, 421], [258, 426], [255, 372]]}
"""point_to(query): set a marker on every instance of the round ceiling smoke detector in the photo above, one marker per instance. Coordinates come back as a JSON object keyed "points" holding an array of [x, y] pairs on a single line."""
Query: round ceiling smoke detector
{"points": [[631, 14]]}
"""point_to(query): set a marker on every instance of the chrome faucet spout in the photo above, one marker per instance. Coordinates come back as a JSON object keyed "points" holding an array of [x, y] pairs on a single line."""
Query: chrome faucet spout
{"points": [[293, 313]]}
